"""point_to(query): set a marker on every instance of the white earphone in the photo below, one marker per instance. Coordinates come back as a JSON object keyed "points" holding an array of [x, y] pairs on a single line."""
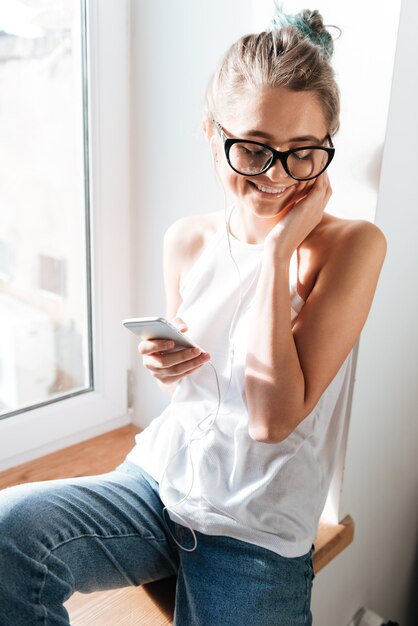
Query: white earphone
{"points": [[199, 431]]}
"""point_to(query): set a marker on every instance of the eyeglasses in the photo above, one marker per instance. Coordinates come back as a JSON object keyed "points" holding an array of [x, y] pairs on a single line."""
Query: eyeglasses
{"points": [[251, 158]]}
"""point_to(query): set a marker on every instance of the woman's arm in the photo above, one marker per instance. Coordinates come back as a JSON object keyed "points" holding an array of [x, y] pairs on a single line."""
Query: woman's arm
{"points": [[180, 249], [289, 369]]}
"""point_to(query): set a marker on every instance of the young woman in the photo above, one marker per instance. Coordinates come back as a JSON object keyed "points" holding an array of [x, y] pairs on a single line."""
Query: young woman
{"points": [[226, 487]]}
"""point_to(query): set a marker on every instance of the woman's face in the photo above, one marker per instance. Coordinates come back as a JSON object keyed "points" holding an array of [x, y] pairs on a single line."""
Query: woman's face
{"points": [[282, 119]]}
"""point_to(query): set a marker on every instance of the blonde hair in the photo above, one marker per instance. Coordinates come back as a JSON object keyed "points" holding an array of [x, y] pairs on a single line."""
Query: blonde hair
{"points": [[295, 54]]}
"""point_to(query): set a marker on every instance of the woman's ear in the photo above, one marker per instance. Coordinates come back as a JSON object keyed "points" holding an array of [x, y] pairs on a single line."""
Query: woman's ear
{"points": [[208, 129]]}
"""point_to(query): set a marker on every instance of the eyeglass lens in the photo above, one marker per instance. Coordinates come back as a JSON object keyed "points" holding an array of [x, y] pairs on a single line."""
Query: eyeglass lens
{"points": [[248, 158]]}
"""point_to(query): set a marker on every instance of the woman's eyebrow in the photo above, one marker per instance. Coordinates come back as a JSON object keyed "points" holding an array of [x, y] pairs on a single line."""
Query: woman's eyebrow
{"points": [[263, 135]]}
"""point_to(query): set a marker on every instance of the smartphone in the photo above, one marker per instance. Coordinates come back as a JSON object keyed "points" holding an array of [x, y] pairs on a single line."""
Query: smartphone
{"points": [[158, 328]]}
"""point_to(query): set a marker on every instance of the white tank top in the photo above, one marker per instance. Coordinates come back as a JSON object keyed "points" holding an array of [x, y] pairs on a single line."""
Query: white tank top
{"points": [[213, 477]]}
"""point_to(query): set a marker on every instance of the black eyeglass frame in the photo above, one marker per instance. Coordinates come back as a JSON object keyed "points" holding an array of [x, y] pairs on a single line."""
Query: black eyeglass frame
{"points": [[277, 155]]}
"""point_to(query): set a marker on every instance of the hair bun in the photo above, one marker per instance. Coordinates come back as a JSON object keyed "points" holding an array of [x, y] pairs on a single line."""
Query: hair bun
{"points": [[308, 23]]}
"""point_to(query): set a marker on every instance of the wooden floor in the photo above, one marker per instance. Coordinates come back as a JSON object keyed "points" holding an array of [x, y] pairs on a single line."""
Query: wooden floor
{"points": [[150, 605]]}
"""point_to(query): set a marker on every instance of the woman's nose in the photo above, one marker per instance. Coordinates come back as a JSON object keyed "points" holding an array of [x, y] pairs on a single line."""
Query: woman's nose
{"points": [[277, 173]]}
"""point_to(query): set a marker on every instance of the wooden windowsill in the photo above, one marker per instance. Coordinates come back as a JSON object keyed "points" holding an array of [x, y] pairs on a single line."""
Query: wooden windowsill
{"points": [[150, 605]]}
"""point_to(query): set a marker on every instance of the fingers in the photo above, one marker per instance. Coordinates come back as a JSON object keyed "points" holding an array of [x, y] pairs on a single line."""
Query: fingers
{"points": [[166, 363], [324, 185], [149, 346], [317, 195], [179, 324], [325, 188], [170, 359], [169, 366], [316, 191], [174, 365]]}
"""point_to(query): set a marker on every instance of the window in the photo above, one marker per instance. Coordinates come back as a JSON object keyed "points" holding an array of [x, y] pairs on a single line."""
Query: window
{"points": [[64, 250], [44, 205]]}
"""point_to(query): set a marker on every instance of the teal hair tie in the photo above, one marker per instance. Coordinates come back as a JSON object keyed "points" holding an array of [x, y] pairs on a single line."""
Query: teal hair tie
{"points": [[282, 19]]}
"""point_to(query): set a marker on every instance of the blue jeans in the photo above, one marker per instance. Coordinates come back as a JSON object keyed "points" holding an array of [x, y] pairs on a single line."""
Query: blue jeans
{"points": [[102, 532]]}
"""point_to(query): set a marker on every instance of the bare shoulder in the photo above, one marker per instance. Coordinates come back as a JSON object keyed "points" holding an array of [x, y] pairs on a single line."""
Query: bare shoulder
{"points": [[349, 240], [189, 231], [187, 236], [337, 246]]}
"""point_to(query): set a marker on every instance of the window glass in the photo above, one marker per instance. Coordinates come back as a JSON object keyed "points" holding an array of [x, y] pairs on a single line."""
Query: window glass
{"points": [[45, 329]]}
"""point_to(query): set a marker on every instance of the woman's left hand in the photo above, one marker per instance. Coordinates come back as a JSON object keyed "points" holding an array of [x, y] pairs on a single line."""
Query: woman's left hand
{"points": [[300, 219]]}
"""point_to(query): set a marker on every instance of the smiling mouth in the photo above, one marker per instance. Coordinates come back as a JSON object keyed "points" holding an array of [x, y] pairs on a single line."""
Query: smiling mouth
{"points": [[271, 191]]}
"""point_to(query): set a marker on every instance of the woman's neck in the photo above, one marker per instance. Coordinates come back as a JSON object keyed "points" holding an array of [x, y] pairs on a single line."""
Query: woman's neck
{"points": [[247, 227]]}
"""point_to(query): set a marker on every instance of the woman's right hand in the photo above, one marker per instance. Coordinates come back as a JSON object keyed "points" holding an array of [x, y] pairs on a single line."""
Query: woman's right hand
{"points": [[168, 366]]}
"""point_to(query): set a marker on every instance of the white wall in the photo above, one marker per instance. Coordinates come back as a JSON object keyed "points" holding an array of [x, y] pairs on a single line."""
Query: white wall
{"points": [[174, 49]]}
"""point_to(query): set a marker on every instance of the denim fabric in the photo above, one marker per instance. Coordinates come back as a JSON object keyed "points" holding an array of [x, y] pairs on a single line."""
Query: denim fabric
{"points": [[103, 532]]}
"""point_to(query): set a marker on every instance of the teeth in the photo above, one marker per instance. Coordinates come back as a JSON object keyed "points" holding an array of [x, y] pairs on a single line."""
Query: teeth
{"points": [[270, 189]]}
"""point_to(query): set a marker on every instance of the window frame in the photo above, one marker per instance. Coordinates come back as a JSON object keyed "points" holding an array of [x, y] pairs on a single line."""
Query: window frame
{"points": [[60, 423]]}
